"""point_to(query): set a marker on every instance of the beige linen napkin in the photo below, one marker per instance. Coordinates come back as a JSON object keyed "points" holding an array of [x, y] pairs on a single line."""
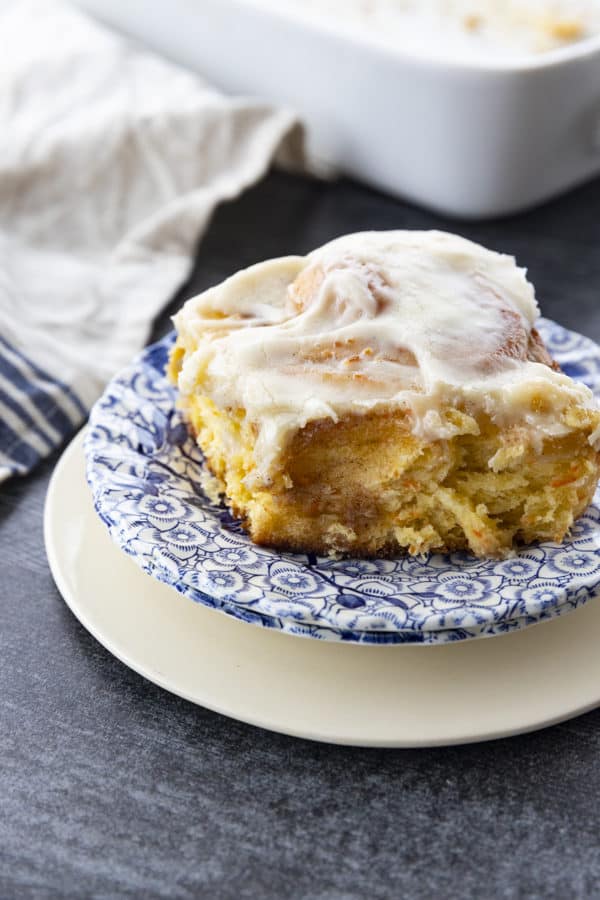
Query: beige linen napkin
{"points": [[112, 161]]}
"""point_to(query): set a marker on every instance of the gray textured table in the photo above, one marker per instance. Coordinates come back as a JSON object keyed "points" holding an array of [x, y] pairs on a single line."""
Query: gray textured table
{"points": [[112, 787]]}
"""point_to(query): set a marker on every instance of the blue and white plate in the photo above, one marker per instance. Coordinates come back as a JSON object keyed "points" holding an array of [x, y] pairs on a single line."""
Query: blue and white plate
{"points": [[144, 471]]}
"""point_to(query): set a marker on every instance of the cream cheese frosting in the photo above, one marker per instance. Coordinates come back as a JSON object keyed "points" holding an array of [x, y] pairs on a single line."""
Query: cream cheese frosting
{"points": [[418, 321]]}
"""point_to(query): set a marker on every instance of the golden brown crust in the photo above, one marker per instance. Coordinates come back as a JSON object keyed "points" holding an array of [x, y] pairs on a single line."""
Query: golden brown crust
{"points": [[366, 486]]}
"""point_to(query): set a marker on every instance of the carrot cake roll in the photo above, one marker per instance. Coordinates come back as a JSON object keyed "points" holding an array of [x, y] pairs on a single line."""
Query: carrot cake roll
{"points": [[386, 393]]}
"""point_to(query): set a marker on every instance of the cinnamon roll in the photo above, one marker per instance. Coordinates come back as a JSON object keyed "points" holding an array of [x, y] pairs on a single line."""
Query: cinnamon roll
{"points": [[387, 392]]}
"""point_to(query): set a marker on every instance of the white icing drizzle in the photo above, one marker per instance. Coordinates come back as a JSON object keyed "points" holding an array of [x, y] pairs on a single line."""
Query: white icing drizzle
{"points": [[407, 319]]}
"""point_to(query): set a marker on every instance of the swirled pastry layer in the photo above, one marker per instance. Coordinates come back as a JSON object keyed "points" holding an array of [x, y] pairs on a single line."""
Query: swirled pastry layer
{"points": [[388, 391]]}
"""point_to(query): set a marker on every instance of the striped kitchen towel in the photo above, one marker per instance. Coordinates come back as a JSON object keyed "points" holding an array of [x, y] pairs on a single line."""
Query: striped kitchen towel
{"points": [[112, 161], [37, 412]]}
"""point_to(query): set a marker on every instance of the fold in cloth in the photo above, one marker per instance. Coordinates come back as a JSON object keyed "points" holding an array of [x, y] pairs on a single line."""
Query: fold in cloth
{"points": [[111, 164]]}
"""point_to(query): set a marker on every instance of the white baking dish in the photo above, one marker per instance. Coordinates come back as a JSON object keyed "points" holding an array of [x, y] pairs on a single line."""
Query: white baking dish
{"points": [[471, 139]]}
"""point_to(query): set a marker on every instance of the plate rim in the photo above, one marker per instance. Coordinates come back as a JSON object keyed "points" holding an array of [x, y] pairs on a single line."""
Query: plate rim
{"points": [[488, 620], [64, 472]]}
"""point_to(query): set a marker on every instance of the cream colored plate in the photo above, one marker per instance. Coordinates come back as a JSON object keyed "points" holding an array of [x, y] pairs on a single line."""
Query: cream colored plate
{"points": [[394, 696]]}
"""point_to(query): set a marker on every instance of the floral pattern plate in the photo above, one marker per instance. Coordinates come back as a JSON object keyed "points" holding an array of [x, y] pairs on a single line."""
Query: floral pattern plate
{"points": [[145, 474]]}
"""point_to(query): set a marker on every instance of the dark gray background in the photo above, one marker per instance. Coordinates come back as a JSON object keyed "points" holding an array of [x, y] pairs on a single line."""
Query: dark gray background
{"points": [[111, 787]]}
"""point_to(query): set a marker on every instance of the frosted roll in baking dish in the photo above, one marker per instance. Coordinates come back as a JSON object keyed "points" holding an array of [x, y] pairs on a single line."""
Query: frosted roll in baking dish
{"points": [[387, 392]]}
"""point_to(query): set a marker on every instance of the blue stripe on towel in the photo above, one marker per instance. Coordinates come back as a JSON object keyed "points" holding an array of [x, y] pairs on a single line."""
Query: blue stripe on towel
{"points": [[22, 457], [44, 376], [39, 395], [28, 422], [23, 440]]}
